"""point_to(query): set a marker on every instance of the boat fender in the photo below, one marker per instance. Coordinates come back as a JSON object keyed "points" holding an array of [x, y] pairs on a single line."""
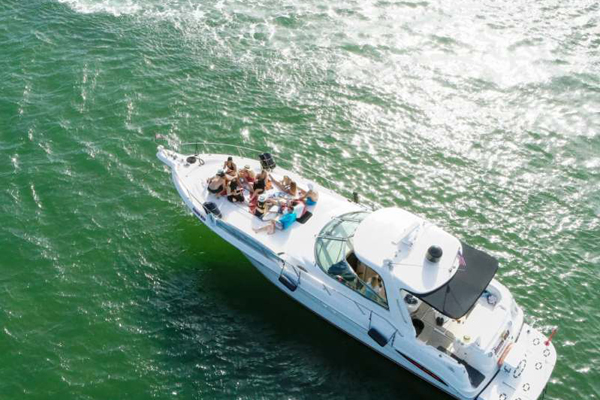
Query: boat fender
{"points": [[505, 354], [287, 283], [378, 337], [212, 208]]}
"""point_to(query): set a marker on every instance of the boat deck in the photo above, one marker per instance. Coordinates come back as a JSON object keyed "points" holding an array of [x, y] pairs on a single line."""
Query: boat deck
{"points": [[194, 179]]}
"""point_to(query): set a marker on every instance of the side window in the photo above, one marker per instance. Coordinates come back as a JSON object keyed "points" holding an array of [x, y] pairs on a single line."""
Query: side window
{"points": [[358, 277], [334, 253], [374, 287]]}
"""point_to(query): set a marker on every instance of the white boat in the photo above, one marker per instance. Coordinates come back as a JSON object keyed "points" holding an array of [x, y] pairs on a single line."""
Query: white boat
{"points": [[438, 311]]}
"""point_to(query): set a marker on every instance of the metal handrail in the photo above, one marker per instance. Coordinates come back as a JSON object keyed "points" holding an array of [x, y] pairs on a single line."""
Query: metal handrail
{"points": [[293, 267], [332, 289], [196, 144]]}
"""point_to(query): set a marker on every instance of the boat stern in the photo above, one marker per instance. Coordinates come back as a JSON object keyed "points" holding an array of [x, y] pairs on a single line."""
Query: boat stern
{"points": [[525, 370]]}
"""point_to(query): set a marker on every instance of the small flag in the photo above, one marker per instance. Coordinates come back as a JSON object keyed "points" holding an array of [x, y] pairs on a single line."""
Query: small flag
{"points": [[550, 337]]}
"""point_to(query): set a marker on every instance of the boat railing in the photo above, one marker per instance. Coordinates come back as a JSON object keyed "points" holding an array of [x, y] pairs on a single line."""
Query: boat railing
{"points": [[249, 152]]}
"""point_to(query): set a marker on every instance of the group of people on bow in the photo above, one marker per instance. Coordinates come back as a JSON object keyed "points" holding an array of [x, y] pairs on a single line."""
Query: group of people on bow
{"points": [[231, 182]]}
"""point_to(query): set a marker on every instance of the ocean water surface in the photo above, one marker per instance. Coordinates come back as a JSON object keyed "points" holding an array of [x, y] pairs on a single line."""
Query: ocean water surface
{"points": [[481, 116]]}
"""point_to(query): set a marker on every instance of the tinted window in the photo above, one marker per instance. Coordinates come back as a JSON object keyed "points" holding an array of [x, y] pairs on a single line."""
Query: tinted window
{"points": [[335, 255]]}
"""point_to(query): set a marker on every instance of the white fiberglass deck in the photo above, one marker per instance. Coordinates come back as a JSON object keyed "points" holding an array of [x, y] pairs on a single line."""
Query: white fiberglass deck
{"points": [[292, 240]]}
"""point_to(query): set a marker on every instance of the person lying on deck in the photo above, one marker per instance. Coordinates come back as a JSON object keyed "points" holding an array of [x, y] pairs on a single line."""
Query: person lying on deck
{"points": [[217, 183], [281, 223], [286, 185], [311, 196]]}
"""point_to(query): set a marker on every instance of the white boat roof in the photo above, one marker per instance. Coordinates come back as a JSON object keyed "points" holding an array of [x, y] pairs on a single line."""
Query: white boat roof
{"points": [[397, 239]]}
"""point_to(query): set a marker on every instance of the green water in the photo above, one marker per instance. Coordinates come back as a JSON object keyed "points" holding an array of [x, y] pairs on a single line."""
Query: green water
{"points": [[482, 116]]}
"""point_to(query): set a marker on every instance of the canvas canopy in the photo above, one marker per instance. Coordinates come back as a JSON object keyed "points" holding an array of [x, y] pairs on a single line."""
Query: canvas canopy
{"points": [[456, 297]]}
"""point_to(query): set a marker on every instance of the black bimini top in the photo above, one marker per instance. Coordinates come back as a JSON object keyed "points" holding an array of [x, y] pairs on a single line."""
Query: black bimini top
{"points": [[456, 297]]}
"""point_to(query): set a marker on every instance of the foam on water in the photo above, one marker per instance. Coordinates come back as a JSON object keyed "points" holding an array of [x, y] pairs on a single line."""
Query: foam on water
{"points": [[113, 7]]}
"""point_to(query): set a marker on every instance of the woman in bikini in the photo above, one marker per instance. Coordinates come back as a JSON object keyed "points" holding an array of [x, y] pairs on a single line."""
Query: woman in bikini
{"points": [[230, 167], [260, 185], [247, 176], [286, 185], [263, 206]]}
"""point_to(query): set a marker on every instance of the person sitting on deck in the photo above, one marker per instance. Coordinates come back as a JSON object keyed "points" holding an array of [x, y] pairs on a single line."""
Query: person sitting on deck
{"points": [[230, 167], [285, 182], [235, 191], [217, 183], [287, 185], [246, 175], [298, 206], [260, 184], [311, 196], [263, 206], [281, 223]]}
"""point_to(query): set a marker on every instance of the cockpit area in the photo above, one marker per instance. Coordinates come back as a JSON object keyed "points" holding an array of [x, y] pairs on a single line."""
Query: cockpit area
{"points": [[334, 252], [447, 318]]}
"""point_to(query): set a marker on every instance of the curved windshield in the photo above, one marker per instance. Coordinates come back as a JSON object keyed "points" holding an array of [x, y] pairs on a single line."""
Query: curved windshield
{"points": [[335, 239], [335, 255]]}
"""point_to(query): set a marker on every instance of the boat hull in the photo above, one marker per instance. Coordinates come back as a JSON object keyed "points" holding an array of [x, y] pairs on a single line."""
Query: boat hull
{"points": [[355, 316], [272, 272], [496, 388]]}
